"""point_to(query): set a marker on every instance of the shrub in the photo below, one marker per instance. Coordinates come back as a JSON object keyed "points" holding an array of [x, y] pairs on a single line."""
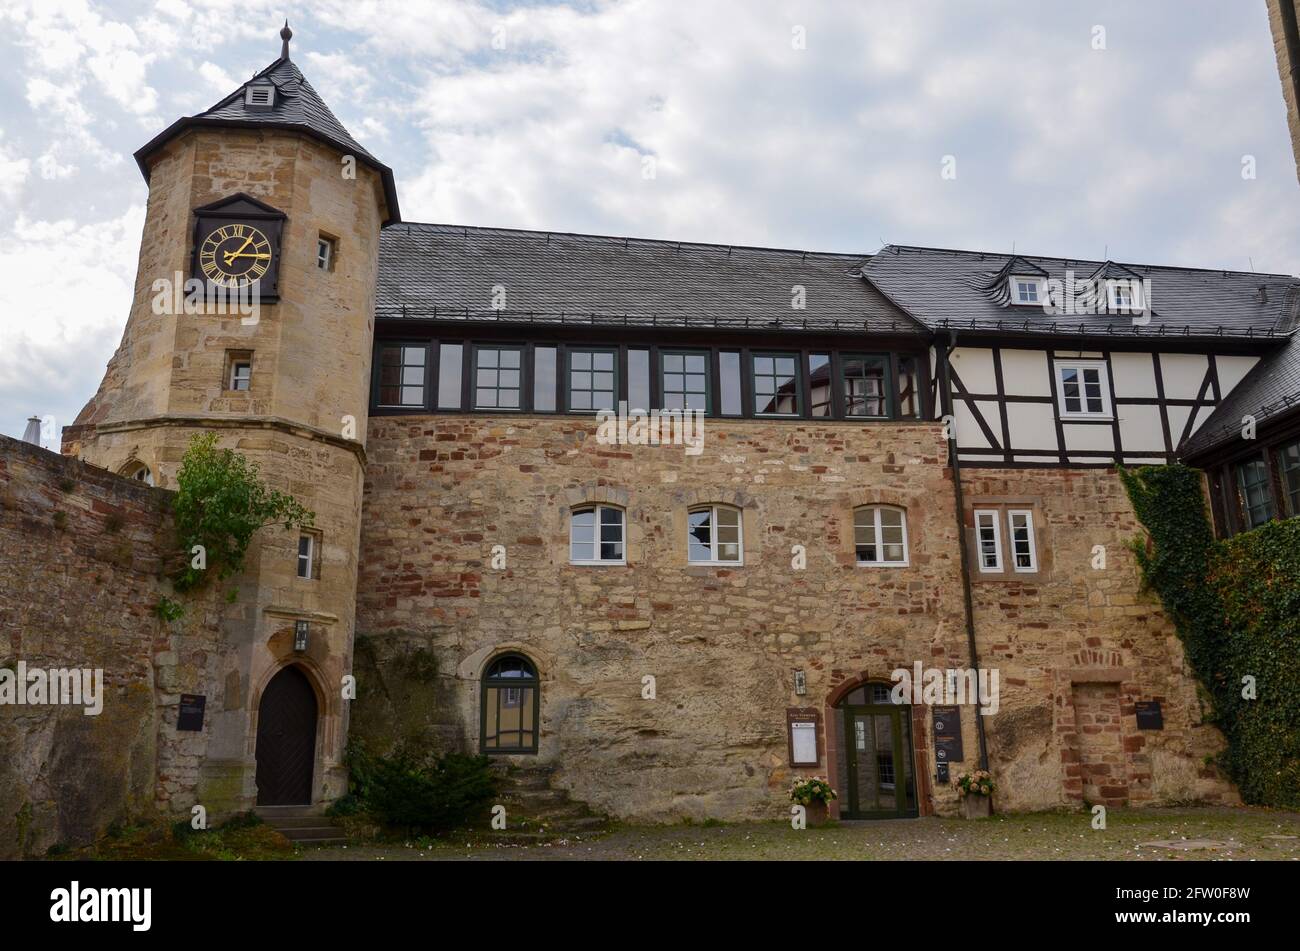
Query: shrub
{"points": [[418, 792], [220, 504]]}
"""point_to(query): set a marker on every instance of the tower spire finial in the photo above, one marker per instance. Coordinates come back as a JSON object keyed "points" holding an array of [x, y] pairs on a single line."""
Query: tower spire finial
{"points": [[286, 34]]}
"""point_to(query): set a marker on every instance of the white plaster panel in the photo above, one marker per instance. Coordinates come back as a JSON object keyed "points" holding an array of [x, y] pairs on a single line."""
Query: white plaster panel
{"points": [[975, 367], [1032, 425], [1183, 373], [1139, 429], [1025, 373], [1135, 375], [1088, 437]]}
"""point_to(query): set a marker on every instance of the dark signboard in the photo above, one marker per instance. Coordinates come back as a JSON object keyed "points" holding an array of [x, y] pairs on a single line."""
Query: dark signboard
{"points": [[191, 714], [947, 735], [1149, 716], [941, 773]]}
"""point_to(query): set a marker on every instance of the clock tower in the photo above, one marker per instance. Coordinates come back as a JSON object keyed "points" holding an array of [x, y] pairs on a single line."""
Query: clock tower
{"points": [[252, 319]]}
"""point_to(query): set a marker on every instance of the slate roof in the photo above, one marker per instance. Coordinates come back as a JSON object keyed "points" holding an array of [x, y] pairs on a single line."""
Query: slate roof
{"points": [[969, 290], [1270, 390], [447, 272], [298, 107]]}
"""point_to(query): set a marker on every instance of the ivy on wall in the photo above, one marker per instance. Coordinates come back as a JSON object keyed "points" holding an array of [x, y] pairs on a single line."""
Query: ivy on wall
{"points": [[1236, 606]]}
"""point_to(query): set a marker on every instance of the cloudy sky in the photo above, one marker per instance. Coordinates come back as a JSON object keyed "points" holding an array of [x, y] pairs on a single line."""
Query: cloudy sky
{"points": [[1079, 128]]}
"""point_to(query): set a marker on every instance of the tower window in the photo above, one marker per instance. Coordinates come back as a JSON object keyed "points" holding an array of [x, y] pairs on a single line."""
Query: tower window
{"points": [[239, 370], [325, 251], [309, 555]]}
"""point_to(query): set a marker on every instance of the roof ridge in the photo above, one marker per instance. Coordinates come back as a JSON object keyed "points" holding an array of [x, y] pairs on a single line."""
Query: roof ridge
{"points": [[623, 239], [1076, 260]]}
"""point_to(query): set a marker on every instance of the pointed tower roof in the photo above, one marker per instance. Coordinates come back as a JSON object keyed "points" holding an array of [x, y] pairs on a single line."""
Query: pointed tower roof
{"points": [[279, 97]]}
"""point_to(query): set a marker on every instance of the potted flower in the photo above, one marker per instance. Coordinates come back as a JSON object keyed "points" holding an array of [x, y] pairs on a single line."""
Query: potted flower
{"points": [[814, 795], [976, 791]]}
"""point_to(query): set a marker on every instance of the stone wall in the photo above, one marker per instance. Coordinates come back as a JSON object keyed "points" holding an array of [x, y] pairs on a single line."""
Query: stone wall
{"points": [[1284, 67], [723, 643], [1074, 624], [81, 552]]}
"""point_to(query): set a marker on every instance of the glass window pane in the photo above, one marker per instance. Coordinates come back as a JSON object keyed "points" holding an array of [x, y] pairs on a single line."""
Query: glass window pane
{"points": [[544, 379], [776, 386], [819, 379], [864, 386], [729, 385], [450, 357], [699, 535], [909, 387], [638, 379], [1289, 462]]}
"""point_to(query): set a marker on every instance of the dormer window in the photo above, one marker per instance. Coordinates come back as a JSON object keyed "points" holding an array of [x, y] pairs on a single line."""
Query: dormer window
{"points": [[259, 97], [1027, 291], [1125, 296]]}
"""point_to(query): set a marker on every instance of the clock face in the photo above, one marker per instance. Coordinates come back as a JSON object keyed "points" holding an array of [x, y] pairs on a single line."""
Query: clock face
{"points": [[235, 255]]}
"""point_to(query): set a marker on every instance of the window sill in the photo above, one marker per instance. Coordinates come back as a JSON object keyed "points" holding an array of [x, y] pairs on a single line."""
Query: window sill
{"points": [[883, 564], [598, 564]]}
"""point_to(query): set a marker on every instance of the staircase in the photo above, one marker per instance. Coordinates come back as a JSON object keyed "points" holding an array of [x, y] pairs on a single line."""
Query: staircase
{"points": [[538, 812], [302, 825]]}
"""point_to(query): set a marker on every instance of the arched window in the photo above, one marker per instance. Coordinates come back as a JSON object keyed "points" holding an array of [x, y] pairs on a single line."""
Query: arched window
{"points": [[596, 536], [509, 708], [880, 535], [138, 471], [713, 535]]}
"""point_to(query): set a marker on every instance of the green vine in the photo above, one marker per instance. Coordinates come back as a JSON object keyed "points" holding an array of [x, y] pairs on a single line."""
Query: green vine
{"points": [[1236, 606], [220, 504]]}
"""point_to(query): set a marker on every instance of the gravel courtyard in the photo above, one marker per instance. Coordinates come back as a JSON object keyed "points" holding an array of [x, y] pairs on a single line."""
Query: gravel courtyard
{"points": [[1195, 833]]}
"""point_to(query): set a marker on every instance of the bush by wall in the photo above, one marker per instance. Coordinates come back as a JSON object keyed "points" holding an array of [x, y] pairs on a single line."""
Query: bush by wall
{"points": [[1236, 605], [414, 791]]}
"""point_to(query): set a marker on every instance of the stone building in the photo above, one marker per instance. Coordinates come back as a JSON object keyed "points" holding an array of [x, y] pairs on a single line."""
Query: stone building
{"points": [[1284, 20], [901, 461]]}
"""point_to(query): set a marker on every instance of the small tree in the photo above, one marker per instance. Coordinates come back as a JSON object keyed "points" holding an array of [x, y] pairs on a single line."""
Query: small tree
{"points": [[220, 504]]}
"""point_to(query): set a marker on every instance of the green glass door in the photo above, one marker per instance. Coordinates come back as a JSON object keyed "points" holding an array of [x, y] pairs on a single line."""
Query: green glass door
{"points": [[878, 741]]}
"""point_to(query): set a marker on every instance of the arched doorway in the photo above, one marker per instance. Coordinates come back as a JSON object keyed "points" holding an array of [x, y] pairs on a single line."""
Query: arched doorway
{"points": [[286, 740], [511, 698], [876, 777]]}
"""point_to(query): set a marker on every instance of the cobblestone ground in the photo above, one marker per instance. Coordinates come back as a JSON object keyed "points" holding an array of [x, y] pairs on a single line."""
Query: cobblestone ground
{"points": [[1244, 833]]}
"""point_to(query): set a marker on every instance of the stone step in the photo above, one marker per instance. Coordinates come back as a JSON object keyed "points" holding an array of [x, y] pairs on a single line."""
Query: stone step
{"points": [[283, 823], [315, 834], [267, 813]]}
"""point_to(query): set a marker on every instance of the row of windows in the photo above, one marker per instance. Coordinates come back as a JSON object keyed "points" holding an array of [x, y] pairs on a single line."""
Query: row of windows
{"points": [[715, 535], [1260, 488], [546, 378]]}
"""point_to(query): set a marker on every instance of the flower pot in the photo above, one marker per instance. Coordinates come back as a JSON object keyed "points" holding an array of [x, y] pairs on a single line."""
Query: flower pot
{"points": [[817, 814], [974, 806]]}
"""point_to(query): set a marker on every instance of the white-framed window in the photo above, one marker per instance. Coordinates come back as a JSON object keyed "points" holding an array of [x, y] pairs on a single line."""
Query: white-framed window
{"points": [[1027, 290], [714, 536], [1020, 530], [1125, 295], [1083, 388], [988, 537], [596, 536], [306, 556], [880, 535], [325, 249], [241, 374]]}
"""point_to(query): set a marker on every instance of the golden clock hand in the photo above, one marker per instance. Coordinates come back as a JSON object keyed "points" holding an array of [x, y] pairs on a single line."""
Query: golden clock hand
{"points": [[231, 257]]}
